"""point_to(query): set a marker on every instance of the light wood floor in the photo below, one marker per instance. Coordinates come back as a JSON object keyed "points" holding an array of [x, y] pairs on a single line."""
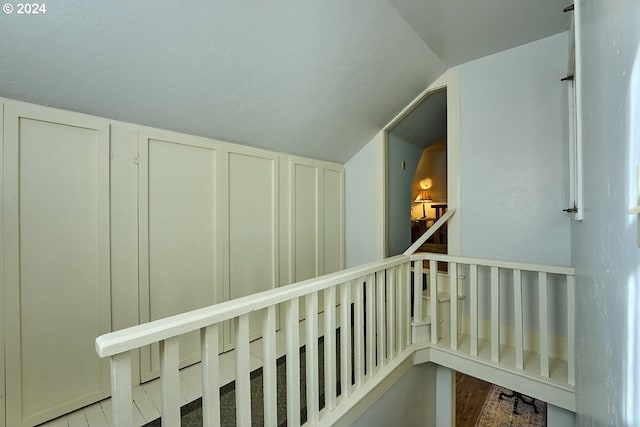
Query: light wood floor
{"points": [[470, 396]]}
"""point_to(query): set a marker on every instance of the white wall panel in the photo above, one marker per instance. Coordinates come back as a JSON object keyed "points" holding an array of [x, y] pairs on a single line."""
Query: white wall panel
{"points": [[56, 241], [317, 218], [138, 224], [304, 216], [251, 222], [333, 220], [179, 243]]}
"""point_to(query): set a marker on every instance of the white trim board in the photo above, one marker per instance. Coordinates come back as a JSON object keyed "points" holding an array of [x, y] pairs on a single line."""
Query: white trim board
{"points": [[450, 81]]}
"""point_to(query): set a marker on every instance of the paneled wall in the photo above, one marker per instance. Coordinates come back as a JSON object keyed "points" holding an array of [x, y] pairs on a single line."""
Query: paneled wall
{"points": [[251, 227], [56, 258], [178, 208], [109, 224], [317, 218]]}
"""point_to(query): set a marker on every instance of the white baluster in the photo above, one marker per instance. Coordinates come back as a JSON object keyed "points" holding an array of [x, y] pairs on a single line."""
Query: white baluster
{"points": [[417, 293], [380, 332], [473, 290], [269, 385], [453, 301], [391, 312], [358, 331], [292, 315], [406, 291], [495, 314], [433, 299], [330, 347], [243, 381], [517, 312], [122, 408], [571, 329], [543, 314], [345, 339], [311, 353], [370, 310], [210, 376], [170, 382]]}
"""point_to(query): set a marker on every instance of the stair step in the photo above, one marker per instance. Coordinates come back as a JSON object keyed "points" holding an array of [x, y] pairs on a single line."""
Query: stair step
{"points": [[440, 296]]}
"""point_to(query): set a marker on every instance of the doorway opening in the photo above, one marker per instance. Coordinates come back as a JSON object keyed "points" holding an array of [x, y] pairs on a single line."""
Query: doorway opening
{"points": [[417, 178]]}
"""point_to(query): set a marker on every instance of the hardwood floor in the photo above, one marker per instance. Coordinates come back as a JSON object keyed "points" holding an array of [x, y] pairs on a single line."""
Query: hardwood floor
{"points": [[470, 396]]}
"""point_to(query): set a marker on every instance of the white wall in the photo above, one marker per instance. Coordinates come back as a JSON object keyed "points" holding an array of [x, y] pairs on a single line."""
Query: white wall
{"points": [[605, 249], [359, 207], [445, 379], [399, 193], [558, 417], [409, 402], [514, 180]]}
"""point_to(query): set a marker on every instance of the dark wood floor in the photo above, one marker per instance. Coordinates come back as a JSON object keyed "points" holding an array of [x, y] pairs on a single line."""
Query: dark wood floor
{"points": [[470, 396]]}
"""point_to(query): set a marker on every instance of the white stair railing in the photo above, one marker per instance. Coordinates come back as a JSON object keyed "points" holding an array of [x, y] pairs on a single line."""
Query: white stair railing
{"points": [[379, 328], [490, 281], [377, 295]]}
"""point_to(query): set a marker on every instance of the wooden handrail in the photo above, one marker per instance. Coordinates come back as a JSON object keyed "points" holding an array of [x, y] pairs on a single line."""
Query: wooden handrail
{"points": [[161, 329], [386, 322], [552, 269], [430, 232]]}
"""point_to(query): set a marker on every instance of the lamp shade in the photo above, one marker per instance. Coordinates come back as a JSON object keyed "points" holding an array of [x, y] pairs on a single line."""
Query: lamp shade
{"points": [[423, 196]]}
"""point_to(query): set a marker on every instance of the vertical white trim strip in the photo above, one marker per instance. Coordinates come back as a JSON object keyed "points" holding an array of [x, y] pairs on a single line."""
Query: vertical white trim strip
{"points": [[2, 276], [144, 291]]}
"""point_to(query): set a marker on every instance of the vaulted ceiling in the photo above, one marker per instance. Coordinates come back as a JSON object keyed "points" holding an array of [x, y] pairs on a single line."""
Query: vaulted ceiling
{"points": [[316, 78]]}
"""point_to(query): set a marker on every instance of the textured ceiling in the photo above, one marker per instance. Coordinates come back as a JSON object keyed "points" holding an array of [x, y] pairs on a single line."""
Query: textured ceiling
{"points": [[315, 78], [459, 31]]}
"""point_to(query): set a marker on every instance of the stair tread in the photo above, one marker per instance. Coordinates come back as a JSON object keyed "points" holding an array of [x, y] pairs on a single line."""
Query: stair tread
{"points": [[440, 296]]}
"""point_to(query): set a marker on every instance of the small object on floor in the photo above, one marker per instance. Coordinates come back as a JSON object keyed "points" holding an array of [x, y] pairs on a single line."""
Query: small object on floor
{"points": [[519, 397]]}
